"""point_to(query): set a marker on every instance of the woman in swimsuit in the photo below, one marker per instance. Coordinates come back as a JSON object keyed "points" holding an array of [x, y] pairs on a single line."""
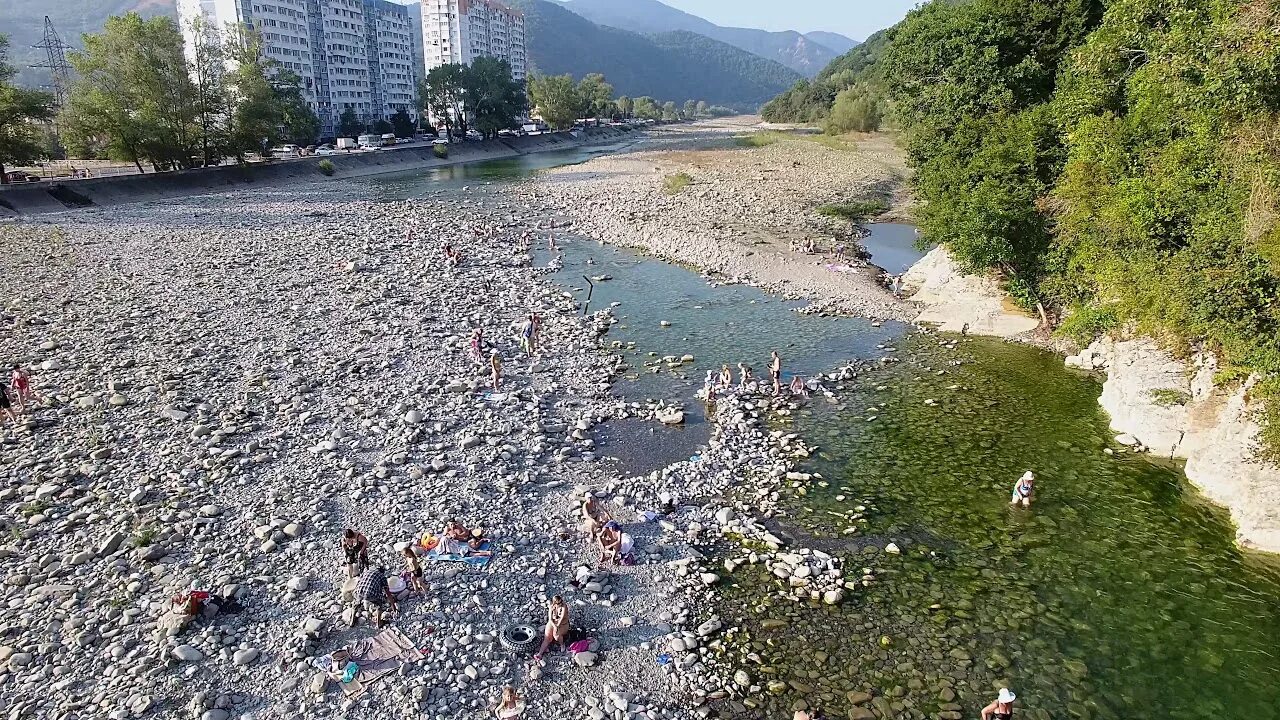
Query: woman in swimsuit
{"points": [[20, 383], [1001, 708], [414, 566], [356, 548], [1024, 489], [557, 629], [510, 706], [775, 372]]}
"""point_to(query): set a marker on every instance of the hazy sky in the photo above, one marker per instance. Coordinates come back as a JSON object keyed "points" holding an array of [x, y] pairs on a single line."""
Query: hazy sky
{"points": [[855, 18]]}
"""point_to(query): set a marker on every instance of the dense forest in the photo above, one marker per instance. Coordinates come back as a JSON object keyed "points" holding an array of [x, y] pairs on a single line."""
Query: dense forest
{"points": [[671, 65], [1118, 163]]}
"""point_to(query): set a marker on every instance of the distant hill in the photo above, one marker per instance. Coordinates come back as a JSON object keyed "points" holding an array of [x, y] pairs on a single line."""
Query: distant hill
{"points": [[675, 66], [801, 53], [23, 21], [833, 41], [809, 101]]}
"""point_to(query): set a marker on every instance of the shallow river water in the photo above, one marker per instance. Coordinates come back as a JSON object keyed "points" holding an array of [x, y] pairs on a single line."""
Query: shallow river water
{"points": [[1119, 594]]}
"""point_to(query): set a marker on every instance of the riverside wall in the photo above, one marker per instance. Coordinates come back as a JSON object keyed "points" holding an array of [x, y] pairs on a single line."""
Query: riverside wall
{"points": [[58, 196]]}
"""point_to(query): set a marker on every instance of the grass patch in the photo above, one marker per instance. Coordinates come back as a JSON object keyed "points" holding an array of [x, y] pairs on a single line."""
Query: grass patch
{"points": [[440, 151], [144, 537], [35, 508], [675, 183], [326, 167], [854, 212], [1085, 323], [1168, 397], [760, 139]]}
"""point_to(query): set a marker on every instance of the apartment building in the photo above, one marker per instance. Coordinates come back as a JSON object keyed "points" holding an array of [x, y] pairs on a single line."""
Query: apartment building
{"points": [[458, 31], [350, 54], [389, 32]]}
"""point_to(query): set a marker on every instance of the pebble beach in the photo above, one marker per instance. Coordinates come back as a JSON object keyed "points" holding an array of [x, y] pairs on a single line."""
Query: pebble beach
{"points": [[229, 381]]}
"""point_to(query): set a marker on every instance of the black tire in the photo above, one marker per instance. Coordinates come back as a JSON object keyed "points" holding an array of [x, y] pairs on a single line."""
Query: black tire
{"points": [[520, 638]]}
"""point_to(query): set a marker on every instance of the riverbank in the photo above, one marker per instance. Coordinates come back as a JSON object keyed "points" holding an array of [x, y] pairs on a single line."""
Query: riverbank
{"points": [[60, 196], [229, 383], [721, 197]]}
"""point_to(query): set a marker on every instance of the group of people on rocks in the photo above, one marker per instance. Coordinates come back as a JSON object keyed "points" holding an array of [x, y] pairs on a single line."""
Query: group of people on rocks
{"points": [[17, 391], [372, 593], [722, 381]]}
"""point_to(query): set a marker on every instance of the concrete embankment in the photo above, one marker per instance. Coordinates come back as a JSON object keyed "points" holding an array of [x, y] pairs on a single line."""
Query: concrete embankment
{"points": [[46, 197]]}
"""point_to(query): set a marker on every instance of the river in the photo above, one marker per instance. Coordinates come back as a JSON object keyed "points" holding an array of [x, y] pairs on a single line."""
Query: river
{"points": [[1119, 594]]}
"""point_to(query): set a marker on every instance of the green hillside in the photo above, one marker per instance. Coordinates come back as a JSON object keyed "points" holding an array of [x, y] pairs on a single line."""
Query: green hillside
{"points": [[667, 66]]}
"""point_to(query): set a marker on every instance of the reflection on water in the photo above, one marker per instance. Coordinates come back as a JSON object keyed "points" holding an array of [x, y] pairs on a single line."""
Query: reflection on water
{"points": [[892, 246]]}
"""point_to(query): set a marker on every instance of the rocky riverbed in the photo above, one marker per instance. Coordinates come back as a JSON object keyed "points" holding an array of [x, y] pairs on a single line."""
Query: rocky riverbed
{"points": [[229, 381], [723, 198]]}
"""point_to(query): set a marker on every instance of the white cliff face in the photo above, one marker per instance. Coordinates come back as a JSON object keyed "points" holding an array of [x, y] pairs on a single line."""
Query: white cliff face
{"points": [[1172, 407], [952, 299]]}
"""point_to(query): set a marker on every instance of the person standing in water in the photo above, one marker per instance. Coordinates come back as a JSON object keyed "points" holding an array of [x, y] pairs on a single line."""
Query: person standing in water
{"points": [[1024, 489], [775, 371], [1001, 708]]}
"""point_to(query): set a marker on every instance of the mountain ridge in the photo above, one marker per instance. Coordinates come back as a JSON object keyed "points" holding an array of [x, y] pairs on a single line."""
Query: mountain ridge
{"points": [[800, 52]]}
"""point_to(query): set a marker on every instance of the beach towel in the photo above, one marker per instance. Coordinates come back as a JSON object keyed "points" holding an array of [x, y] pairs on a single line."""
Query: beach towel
{"points": [[477, 561], [377, 657]]}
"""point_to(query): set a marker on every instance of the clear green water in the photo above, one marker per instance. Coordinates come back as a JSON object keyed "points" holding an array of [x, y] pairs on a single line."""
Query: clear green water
{"points": [[1119, 594]]}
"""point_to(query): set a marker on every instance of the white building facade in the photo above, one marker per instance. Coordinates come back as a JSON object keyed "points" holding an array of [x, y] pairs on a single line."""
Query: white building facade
{"points": [[350, 54], [458, 31]]}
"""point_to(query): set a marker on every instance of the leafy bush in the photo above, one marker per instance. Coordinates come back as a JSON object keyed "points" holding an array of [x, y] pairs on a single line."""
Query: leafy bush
{"points": [[1085, 323], [855, 110], [440, 151], [326, 167], [675, 183], [760, 139], [856, 211]]}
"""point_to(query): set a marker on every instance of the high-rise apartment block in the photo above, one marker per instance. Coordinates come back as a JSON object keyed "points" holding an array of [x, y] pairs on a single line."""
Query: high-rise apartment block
{"points": [[458, 31], [350, 54]]}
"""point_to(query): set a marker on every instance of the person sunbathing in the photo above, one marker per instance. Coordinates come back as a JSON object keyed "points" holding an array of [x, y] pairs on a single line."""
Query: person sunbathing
{"points": [[594, 516], [610, 541], [458, 540]]}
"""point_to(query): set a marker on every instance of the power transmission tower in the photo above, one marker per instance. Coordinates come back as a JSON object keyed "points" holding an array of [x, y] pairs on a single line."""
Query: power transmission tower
{"points": [[55, 61]]}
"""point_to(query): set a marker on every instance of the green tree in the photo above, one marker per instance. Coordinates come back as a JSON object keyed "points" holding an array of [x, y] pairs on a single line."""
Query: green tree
{"points": [[445, 92], [491, 97], [381, 127], [300, 124], [349, 125], [625, 106], [970, 82], [596, 96], [402, 123], [700, 109], [669, 111], [555, 99], [21, 112], [646, 108], [855, 110], [690, 109], [207, 62], [134, 87]]}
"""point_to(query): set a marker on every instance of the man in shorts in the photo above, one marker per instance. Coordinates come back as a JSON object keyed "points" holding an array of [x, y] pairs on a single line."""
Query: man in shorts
{"points": [[372, 594]]}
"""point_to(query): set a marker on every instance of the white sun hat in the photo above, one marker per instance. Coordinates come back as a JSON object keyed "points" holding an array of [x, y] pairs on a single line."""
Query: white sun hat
{"points": [[1028, 475], [1006, 696]]}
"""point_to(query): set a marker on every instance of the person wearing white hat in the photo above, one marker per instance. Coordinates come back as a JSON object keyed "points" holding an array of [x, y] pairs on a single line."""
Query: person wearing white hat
{"points": [[1002, 708], [1023, 489]]}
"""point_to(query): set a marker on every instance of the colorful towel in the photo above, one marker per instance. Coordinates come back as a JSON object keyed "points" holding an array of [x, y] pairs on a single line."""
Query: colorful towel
{"points": [[377, 657], [476, 561]]}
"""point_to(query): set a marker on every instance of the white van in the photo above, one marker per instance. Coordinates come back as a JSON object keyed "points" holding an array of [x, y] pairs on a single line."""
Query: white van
{"points": [[370, 142]]}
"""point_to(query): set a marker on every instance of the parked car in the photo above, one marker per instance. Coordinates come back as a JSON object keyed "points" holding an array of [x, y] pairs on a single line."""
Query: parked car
{"points": [[473, 135], [285, 152], [440, 141], [17, 176], [325, 149]]}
